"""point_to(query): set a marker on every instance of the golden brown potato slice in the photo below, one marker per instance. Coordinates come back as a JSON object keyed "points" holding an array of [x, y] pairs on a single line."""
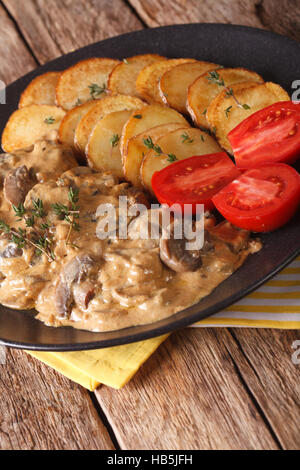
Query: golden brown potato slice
{"points": [[223, 113], [41, 90], [182, 143], [66, 131], [84, 81], [136, 150], [146, 118], [122, 79], [173, 85], [203, 90], [103, 148], [109, 104], [26, 125], [148, 78]]}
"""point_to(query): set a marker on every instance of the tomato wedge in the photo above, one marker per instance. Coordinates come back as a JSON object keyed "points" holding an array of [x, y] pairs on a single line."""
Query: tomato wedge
{"points": [[267, 136], [194, 180], [261, 199]]}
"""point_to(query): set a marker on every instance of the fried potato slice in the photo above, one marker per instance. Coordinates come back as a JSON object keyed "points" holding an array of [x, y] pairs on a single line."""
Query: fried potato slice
{"points": [[122, 79], [136, 150], [26, 125], [223, 113], [173, 85], [66, 131], [42, 90], [176, 143], [103, 148], [202, 91], [109, 104], [146, 118], [148, 79], [84, 81]]}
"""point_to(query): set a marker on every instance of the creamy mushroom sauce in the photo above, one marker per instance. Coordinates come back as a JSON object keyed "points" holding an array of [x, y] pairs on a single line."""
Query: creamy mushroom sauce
{"points": [[94, 284]]}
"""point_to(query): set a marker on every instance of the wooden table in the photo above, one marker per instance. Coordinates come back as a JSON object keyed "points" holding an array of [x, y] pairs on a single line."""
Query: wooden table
{"points": [[204, 388]]}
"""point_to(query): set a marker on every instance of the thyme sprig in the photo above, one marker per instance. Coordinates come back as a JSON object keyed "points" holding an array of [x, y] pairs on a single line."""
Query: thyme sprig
{"points": [[228, 110], [96, 90], [40, 241], [67, 213], [115, 140], [214, 77], [49, 120], [186, 139], [39, 234], [152, 146]]}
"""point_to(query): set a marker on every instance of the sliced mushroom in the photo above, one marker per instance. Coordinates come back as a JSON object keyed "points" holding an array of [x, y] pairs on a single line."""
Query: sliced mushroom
{"points": [[174, 252], [83, 293], [175, 255], [12, 251], [74, 272], [17, 183]]}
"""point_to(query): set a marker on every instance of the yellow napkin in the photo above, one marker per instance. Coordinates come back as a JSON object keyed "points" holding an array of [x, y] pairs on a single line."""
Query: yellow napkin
{"points": [[275, 305], [110, 366]]}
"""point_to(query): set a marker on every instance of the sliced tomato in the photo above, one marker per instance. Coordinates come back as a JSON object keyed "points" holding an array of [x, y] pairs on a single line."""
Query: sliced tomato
{"points": [[267, 136], [261, 199], [194, 180]]}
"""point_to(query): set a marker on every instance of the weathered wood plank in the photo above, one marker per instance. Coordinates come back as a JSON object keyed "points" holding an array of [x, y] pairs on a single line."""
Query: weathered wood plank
{"points": [[40, 409], [282, 17], [272, 378], [16, 58], [187, 396], [52, 28]]}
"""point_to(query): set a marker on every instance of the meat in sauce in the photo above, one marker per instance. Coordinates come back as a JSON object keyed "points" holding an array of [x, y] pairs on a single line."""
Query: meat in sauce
{"points": [[93, 283]]}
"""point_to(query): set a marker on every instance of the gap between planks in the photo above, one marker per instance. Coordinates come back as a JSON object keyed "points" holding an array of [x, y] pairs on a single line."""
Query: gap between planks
{"points": [[19, 32]]}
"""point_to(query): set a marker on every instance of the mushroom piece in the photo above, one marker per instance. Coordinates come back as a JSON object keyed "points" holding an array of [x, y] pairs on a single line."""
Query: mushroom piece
{"points": [[17, 183], [235, 238], [74, 272], [11, 251], [173, 254], [83, 293]]}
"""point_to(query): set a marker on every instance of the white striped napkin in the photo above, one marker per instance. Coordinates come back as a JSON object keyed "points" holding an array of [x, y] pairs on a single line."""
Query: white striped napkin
{"points": [[276, 304]]}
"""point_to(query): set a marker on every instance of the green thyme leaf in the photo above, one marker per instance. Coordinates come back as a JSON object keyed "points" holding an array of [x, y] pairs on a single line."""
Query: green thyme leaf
{"points": [[96, 90], [228, 110], [114, 140], [19, 210], [49, 120], [4, 227], [38, 208], [171, 157], [186, 139]]}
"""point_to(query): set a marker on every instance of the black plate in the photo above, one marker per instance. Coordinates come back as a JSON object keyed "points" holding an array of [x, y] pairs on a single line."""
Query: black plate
{"points": [[273, 56]]}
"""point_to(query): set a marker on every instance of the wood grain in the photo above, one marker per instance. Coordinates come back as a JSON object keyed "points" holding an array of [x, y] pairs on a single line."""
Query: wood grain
{"points": [[187, 396], [16, 58], [40, 409], [53, 27], [272, 378], [280, 16]]}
